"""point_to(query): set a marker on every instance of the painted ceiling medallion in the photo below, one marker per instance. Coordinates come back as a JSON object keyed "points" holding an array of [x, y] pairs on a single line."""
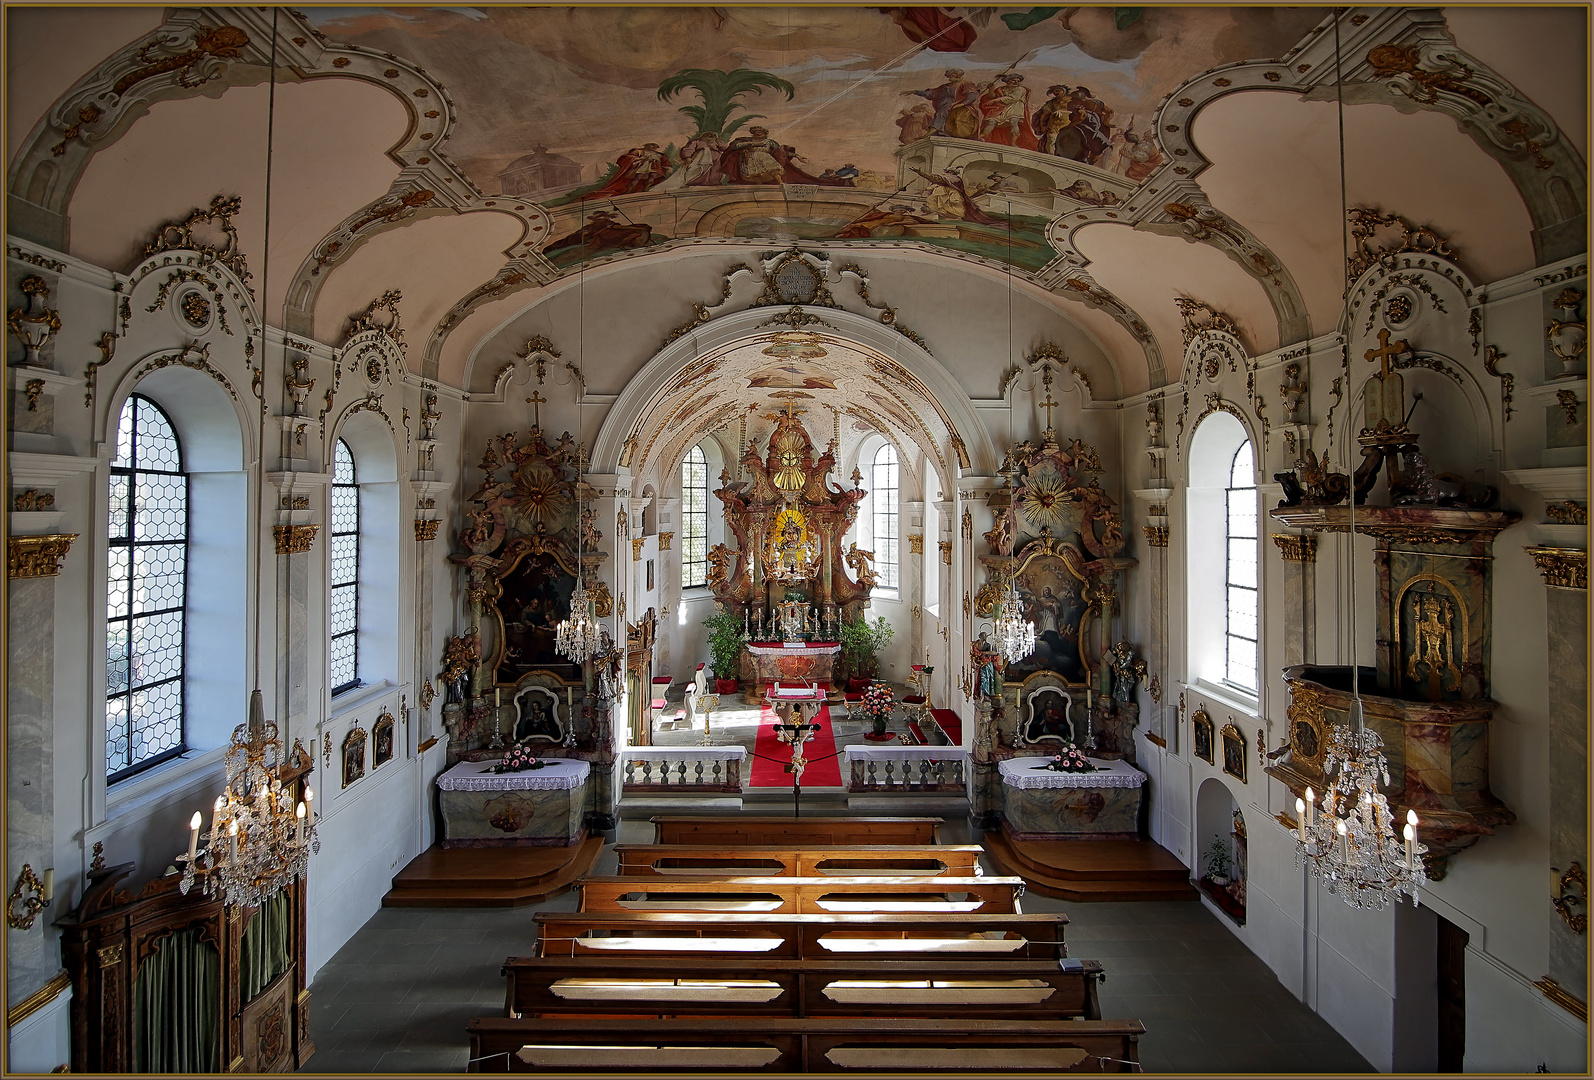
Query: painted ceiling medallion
{"points": [[796, 346]]}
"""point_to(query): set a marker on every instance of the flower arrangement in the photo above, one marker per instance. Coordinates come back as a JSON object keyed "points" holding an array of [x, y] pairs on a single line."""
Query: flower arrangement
{"points": [[876, 704], [1072, 759], [519, 758]]}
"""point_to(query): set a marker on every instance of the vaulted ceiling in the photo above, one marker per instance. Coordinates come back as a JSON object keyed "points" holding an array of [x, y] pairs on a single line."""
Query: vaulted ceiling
{"points": [[490, 163]]}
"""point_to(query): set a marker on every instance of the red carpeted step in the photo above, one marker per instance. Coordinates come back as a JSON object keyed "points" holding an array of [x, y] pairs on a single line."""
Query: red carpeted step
{"points": [[768, 766]]}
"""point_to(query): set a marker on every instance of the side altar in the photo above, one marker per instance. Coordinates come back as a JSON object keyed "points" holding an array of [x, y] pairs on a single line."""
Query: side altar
{"points": [[1041, 804]]}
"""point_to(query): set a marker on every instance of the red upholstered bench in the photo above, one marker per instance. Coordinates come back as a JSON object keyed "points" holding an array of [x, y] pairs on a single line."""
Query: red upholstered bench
{"points": [[917, 732], [950, 725]]}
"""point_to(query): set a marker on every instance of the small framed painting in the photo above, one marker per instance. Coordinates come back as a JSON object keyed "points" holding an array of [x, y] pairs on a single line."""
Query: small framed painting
{"points": [[1202, 723], [1234, 752]]}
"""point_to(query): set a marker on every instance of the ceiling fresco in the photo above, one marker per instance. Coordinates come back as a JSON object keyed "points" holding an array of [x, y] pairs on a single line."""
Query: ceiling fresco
{"points": [[635, 127]]}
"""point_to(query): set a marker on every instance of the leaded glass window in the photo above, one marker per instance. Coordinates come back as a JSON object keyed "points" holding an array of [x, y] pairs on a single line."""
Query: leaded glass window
{"points": [[146, 593], [694, 519], [884, 498], [344, 670], [1240, 571]]}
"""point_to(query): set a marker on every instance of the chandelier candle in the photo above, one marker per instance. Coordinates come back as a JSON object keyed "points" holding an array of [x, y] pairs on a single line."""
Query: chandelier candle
{"points": [[298, 836], [193, 836]]}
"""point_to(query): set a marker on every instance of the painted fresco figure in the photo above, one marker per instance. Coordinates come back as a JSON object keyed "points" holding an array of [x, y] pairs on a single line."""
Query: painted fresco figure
{"points": [[1052, 118], [1139, 156], [916, 122], [755, 158], [1004, 108], [603, 232], [698, 157], [956, 103], [949, 197], [1090, 120], [637, 169]]}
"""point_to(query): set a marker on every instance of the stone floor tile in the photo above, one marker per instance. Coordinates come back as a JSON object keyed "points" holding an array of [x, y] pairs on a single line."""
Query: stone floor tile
{"points": [[341, 1061], [432, 1061]]}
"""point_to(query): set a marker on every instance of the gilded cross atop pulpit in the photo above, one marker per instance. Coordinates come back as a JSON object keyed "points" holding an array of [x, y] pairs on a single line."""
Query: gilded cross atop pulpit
{"points": [[1384, 397]]}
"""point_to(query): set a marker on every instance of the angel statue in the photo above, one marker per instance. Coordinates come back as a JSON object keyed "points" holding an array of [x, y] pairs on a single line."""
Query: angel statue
{"points": [[862, 564], [460, 654], [1126, 670]]}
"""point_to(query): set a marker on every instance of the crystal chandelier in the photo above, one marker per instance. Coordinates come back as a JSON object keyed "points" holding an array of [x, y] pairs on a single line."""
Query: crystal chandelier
{"points": [[260, 840], [1352, 844], [1015, 635]]}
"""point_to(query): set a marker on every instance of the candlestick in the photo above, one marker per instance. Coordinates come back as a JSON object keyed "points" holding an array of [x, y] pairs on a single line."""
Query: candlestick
{"points": [[498, 698], [298, 836], [215, 820], [570, 701], [193, 836], [1300, 819]]}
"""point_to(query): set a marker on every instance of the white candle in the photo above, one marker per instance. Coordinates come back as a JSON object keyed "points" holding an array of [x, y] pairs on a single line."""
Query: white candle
{"points": [[232, 841], [498, 697], [193, 836], [1300, 819], [215, 820], [570, 701], [1411, 854], [47, 887], [1344, 840], [308, 795], [298, 836], [1311, 805]]}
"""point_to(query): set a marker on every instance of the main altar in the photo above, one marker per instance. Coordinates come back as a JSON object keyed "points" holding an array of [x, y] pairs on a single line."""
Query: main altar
{"points": [[787, 578]]}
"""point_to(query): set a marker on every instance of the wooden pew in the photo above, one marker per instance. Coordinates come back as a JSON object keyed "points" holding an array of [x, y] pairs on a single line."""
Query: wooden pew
{"points": [[801, 896], [858, 985], [796, 832], [809, 1044], [814, 937], [771, 860]]}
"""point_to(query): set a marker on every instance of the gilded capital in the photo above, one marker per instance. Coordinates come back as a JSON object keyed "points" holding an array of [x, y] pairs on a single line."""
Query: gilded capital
{"points": [[1563, 568], [294, 539], [1301, 549], [37, 556]]}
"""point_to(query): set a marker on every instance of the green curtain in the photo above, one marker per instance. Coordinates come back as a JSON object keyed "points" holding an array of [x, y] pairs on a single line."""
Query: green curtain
{"points": [[264, 949], [176, 1007]]}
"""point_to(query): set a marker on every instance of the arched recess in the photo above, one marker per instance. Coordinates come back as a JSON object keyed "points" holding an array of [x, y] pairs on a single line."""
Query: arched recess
{"points": [[645, 390], [1220, 822]]}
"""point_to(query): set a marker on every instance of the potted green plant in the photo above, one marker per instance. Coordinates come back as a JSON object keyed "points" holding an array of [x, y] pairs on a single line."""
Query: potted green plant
{"points": [[861, 644], [725, 640], [1217, 862]]}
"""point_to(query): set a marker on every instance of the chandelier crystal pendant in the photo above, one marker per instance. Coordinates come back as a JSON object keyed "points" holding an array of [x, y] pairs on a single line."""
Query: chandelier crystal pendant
{"points": [[1352, 844], [579, 637], [1015, 635], [260, 840]]}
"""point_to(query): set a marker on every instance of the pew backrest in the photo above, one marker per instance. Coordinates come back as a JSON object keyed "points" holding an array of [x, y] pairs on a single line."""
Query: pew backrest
{"points": [[795, 832], [801, 895], [770, 860]]}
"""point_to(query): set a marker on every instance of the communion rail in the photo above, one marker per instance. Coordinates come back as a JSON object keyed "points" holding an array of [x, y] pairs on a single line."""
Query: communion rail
{"points": [[683, 768], [907, 768]]}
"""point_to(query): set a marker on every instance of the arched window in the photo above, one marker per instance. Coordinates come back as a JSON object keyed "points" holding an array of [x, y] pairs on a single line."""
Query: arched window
{"points": [[883, 496], [1240, 634], [146, 593], [344, 583], [694, 519]]}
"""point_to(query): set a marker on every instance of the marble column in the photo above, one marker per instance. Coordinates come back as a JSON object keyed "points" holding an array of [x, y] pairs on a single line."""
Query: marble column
{"points": [[32, 955], [1567, 618]]}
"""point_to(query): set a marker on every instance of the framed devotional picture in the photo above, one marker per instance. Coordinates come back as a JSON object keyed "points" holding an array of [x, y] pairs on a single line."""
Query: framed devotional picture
{"points": [[1202, 723], [1047, 716], [537, 715], [1233, 752]]}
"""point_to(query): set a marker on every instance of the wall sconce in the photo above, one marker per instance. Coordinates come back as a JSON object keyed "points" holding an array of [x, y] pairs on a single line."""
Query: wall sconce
{"points": [[1571, 890], [43, 892]]}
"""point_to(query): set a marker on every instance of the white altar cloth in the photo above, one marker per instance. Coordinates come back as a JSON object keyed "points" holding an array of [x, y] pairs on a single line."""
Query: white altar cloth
{"points": [[561, 774], [1022, 773]]}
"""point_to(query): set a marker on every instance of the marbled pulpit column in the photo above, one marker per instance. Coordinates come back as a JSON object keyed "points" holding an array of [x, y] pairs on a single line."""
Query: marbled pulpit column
{"points": [[1300, 594]]}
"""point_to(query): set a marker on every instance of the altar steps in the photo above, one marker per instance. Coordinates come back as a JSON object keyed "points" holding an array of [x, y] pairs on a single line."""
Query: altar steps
{"points": [[491, 877], [1084, 870]]}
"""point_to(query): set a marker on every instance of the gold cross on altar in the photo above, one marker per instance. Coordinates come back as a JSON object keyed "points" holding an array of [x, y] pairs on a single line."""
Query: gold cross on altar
{"points": [[1049, 405], [537, 401], [1386, 351]]}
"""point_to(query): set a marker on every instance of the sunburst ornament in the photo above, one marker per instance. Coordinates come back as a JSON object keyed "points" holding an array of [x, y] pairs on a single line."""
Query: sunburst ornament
{"points": [[1044, 497], [541, 495]]}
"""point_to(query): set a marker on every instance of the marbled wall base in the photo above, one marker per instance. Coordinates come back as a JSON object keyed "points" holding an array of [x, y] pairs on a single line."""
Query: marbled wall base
{"points": [[1568, 699], [512, 818], [1065, 813], [987, 790]]}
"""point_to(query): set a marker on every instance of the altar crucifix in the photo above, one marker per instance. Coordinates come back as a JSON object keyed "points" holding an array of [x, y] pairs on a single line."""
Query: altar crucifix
{"points": [[536, 401]]}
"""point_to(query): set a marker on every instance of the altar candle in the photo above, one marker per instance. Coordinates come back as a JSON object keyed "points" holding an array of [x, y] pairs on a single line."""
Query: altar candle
{"points": [[298, 837], [498, 697], [1300, 819], [193, 836], [570, 701], [1344, 840], [1311, 805], [47, 886]]}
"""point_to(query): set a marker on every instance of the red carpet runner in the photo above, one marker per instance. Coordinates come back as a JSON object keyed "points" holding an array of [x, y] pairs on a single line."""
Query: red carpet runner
{"points": [[772, 773]]}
